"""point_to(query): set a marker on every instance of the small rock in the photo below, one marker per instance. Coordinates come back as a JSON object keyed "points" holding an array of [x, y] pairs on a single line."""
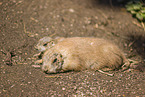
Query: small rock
{"points": [[63, 88], [71, 10]]}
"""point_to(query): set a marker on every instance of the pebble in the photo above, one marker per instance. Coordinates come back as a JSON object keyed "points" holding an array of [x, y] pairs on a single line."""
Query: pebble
{"points": [[71, 10], [63, 88]]}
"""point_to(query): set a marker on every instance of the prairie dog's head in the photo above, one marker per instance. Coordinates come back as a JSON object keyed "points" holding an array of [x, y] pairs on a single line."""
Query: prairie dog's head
{"points": [[53, 64], [47, 42], [44, 43]]}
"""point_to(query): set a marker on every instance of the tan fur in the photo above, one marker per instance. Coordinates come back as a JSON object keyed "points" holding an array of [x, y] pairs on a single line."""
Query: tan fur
{"points": [[80, 53]]}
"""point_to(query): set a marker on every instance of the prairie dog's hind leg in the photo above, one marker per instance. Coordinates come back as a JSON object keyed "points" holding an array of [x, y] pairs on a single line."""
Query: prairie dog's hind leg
{"points": [[97, 66]]}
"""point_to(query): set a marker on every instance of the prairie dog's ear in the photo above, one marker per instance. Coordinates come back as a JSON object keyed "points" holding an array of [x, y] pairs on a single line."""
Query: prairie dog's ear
{"points": [[58, 39], [54, 41]]}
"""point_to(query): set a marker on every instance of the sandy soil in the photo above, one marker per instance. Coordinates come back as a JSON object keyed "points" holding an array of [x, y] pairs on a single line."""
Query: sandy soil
{"points": [[24, 22]]}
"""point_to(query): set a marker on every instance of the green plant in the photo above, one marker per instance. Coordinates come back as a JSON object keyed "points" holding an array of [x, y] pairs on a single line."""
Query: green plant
{"points": [[136, 9]]}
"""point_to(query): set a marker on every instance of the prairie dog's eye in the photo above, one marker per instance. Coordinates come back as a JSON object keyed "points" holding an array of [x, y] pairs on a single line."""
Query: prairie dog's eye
{"points": [[55, 60], [45, 44]]}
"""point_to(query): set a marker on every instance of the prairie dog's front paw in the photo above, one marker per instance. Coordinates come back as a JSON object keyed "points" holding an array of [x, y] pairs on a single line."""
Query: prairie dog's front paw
{"points": [[38, 61]]}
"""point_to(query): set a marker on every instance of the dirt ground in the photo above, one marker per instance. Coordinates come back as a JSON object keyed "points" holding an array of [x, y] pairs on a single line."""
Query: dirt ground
{"points": [[24, 22]]}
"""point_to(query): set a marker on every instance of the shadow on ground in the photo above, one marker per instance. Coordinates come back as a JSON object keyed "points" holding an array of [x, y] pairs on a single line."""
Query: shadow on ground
{"points": [[137, 42]]}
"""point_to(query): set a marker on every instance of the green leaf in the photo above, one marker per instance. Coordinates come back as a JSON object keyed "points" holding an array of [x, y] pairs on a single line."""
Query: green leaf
{"points": [[137, 7], [143, 15], [143, 10], [133, 12], [130, 9], [139, 16]]}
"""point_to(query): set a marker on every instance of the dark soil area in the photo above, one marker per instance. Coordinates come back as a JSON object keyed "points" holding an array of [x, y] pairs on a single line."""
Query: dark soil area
{"points": [[24, 22]]}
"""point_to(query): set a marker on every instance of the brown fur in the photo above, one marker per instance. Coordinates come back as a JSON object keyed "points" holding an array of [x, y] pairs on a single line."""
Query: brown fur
{"points": [[80, 53]]}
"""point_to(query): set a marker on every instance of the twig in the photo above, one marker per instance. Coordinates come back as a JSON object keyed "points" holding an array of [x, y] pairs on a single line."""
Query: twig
{"points": [[27, 32], [102, 14], [9, 56], [52, 35], [3, 52], [130, 44], [111, 4], [53, 76], [137, 24], [33, 19], [36, 66], [24, 28], [106, 73], [143, 26]]}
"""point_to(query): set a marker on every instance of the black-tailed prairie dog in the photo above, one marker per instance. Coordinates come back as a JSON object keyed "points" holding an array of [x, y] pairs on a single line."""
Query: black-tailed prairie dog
{"points": [[81, 53]]}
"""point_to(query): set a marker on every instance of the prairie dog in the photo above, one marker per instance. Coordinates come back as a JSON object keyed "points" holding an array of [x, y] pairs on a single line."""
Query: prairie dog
{"points": [[80, 53], [47, 42]]}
